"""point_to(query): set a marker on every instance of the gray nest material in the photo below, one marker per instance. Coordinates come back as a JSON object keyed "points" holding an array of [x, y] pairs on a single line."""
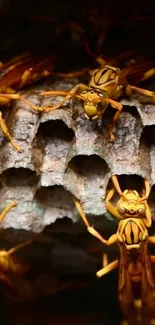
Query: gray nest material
{"points": [[63, 154]]}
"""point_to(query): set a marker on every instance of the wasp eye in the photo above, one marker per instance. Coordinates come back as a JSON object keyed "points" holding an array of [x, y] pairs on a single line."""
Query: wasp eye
{"points": [[121, 210], [100, 94], [141, 211]]}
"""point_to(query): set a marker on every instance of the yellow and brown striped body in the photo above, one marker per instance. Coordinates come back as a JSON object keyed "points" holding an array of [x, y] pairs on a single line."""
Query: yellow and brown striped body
{"points": [[132, 233], [108, 80]]}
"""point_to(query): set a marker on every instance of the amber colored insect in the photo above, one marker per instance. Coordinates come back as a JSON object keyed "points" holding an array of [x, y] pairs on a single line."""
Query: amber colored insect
{"points": [[107, 85], [14, 75], [134, 263], [22, 71], [10, 264]]}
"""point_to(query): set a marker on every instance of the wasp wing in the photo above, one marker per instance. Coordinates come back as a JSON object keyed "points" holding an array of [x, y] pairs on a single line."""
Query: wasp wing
{"points": [[147, 287], [37, 66], [135, 71], [125, 288]]}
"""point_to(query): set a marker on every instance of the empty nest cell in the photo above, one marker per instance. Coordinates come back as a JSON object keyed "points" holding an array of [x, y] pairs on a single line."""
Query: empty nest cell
{"points": [[56, 129], [57, 203], [57, 138], [86, 177], [20, 185]]}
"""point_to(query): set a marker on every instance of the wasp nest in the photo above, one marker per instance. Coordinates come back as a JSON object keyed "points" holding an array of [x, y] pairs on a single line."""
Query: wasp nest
{"points": [[63, 154]]}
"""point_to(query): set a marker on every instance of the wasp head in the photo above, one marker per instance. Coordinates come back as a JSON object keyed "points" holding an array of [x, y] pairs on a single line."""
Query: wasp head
{"points": [[94, 103], [129, 205]]}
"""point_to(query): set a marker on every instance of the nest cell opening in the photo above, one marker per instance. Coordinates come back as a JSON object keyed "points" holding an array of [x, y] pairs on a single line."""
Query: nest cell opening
{"points": [[131, 109], [88, 165], [14, 177], [56, 129], [147, 137], [91, 176], [57, 202]]}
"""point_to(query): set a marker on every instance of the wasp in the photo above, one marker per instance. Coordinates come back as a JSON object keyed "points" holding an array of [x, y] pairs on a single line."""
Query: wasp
{"points": [[134, 263], [106, 86], [21, 71], [10, 264], [14, 75]]}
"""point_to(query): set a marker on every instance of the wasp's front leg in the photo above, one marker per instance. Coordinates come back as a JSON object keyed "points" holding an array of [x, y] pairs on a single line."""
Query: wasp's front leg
{"points": [[111, 127], [89, 228], [68, 95]]}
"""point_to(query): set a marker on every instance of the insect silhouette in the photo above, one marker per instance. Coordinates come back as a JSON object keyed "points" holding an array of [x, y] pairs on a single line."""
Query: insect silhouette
{"points": [[106, 86], [10, 264], [135, 272]]}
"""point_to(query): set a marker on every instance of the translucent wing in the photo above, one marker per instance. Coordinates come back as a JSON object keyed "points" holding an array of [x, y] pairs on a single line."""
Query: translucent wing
{"points": [[25, 69]]}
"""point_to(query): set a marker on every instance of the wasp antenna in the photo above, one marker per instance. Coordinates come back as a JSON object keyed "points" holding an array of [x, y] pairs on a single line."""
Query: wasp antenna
{"points": [[61, 93]]}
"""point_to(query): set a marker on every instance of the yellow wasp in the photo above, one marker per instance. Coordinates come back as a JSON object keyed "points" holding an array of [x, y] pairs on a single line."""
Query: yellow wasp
{"points": [[106, 86], [134, 263]]}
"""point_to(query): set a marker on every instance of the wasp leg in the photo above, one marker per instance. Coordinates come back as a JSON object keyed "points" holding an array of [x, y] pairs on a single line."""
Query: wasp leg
{"points": [[115, 119], [147, 188], [151, 239], [25, 77], [148, 74], [108, 268], [105, 260], [7, 134], [148, 220], [110, 207], [7, 209], [152, 258], [89, 228], [101, 61], [140, 90], [117, 186], [73, 91]]}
